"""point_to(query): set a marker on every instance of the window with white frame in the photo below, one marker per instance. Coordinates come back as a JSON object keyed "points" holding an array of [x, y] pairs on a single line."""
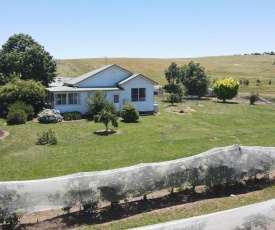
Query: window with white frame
{"points": [[116, 98], [61, 99], [73, 98], [138, 94], [67, 99]]}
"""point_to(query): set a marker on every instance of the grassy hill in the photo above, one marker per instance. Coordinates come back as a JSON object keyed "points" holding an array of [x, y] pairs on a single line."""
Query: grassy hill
{"points": [[249, 67]]}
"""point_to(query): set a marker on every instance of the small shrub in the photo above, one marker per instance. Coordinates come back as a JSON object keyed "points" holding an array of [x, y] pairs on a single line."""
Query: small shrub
{"points": [[173, 98], [16, 117], [11, 219], [47, 138], [253, 97], [27, 108], [129, 113], [90, 205], [69, 116], [96, 103], [66, 209]]}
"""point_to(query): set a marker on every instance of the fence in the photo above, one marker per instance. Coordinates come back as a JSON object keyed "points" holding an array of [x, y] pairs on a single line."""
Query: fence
{"points": [[216, 166]]}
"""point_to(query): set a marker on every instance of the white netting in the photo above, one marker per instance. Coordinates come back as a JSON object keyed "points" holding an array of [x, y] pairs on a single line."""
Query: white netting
{"points": [[216, 166]]}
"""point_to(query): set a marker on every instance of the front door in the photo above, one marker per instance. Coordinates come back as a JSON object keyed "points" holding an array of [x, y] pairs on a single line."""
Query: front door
{"points": [[116, 100]]}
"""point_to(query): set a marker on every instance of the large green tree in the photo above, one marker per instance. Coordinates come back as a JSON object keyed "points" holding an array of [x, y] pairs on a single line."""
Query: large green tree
{"points": [[30, 92], [194, 78], [25, 58]]}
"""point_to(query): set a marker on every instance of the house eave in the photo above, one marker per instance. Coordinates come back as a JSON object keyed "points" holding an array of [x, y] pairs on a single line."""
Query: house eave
{"points": [[134, 76], [75, 89]]}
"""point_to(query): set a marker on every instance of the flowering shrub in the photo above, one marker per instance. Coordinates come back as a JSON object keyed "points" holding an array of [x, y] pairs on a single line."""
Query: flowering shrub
{"points": [[49, 116], [226, 88]]}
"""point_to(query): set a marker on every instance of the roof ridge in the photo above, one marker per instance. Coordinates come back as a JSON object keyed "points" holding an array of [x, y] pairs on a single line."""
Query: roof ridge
{"points": [[90, 74]]}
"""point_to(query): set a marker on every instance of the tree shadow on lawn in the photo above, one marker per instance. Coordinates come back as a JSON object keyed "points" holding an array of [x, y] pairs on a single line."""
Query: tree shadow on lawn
{"points": [[228, 102], [127, 209], [128, 122], [106, 132]]}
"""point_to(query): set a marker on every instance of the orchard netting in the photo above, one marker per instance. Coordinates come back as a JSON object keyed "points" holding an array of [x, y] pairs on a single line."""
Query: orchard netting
{"points": [[213, 167]]}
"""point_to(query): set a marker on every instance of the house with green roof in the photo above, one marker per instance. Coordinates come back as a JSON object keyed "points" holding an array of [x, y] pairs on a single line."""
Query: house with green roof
{"points": [[120, 86]]}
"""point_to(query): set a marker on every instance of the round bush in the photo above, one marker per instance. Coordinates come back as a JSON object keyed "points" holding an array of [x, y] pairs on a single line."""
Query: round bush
{"points": [[129, 113], [253, 97], [28, 109], [16, 117], [30, 92]]}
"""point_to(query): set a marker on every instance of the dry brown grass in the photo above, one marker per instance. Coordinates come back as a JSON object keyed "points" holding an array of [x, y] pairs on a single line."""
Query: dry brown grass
{"points": [[251, 67]]}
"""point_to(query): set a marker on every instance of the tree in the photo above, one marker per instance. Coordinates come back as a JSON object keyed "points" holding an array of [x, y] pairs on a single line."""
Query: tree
{"points": [[194, 78], [173, 87], [226, 88], [30, 92], [106, 115], [172, 73], [173, 98], [96, 103], [23, 57]]}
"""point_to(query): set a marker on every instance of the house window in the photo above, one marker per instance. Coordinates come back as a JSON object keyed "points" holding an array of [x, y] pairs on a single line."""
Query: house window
{"points": [[90, 95], [116, 98], [138, 94], [61, 99], [74, 98], [142, 94]]}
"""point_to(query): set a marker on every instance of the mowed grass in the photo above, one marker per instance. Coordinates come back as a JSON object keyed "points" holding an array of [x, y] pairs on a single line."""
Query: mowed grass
{"points": [[242, 67], [192, 209], [161, 137]]}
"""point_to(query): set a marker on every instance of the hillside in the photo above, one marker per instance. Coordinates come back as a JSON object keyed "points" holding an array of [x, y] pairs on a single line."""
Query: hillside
{"points": [[249, 67]]}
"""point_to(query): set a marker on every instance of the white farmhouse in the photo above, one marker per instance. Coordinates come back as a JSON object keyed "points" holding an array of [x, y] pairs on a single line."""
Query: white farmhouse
{"points": [[121, 86]]}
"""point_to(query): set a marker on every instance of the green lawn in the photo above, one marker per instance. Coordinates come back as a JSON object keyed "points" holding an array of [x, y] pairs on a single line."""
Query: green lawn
{"points": [[161, 137]]}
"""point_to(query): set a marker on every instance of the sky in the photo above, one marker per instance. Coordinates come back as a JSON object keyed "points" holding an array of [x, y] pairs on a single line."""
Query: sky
{"points": [[72, 29]]}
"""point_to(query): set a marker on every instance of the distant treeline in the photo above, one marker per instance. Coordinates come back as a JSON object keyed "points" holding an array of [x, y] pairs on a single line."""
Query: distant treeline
{"points": [[264, 53]]}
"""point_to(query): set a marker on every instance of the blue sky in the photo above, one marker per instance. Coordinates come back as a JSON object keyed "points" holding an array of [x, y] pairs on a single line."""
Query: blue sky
{"points": [[142, 28]]}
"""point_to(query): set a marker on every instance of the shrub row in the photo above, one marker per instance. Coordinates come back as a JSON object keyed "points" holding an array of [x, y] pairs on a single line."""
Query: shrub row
{"points": [[72, 116], [20, 112]]}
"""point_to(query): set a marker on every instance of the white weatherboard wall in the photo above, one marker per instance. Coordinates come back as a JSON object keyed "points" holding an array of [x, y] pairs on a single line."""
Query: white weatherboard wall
{"points": [[139, 82], [108, 77]]}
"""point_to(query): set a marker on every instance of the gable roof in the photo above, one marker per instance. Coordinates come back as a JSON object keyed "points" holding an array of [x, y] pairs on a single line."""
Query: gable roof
{"points": [[90, 74], [134, 76]]}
